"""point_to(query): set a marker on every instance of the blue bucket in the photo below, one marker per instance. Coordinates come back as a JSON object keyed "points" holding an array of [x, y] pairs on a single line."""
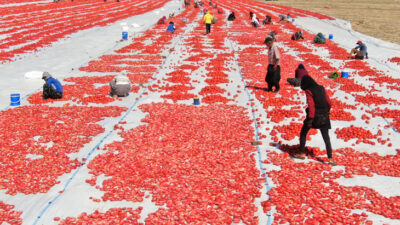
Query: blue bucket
{"points": [[292, 20], [345, 74], [15, 100], [125, 35], [330, 36], [196, 101]]}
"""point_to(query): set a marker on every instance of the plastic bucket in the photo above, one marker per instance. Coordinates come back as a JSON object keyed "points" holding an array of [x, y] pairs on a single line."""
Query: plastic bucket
{"points": [[196, 101], [330, 36], [292, 20], [345, 74], [125, 35], [15, 100]]}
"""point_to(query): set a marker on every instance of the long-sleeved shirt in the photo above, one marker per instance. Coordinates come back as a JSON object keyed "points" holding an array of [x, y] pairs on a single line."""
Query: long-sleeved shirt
{"points": [[54, 83], [273, 55], [311, 103], [208, 18], [363, 49], [171, 28]]}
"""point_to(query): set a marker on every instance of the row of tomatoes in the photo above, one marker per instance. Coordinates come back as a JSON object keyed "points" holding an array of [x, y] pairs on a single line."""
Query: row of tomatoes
{"points": [[308, 192], [28, 37]]}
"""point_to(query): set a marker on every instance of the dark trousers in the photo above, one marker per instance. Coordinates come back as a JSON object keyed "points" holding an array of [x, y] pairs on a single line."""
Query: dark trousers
{"points": [[325, 136], [273, 77], [208, 28], [49, 92]]}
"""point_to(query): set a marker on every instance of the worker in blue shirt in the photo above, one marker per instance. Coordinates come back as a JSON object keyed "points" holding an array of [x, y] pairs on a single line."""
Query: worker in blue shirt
{"points": [[360, 51], [52, 87], [171, 27]]}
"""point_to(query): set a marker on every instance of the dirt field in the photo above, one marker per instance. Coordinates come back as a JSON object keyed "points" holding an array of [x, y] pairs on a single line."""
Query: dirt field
{"points": [[377, 18]]}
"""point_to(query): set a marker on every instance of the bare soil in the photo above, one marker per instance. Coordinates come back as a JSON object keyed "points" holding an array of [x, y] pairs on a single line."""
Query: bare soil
{"points": [[377, 18]]}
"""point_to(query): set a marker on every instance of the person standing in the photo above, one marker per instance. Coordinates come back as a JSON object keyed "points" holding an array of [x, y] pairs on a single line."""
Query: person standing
{"points": [[274, 70], [208, 19], [52, 87], [319, 106]]}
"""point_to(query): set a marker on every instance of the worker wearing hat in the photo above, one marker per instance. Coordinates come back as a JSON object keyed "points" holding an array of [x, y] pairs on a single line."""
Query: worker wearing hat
{"points": [[360, 51], [52, 87]]}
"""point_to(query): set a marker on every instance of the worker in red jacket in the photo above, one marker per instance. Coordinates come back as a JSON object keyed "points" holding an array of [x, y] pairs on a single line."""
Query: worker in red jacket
{"points": [[319, 106]]}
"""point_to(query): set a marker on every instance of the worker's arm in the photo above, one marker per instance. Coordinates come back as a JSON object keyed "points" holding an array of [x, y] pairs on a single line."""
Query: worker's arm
{"points": [[276, 63]]}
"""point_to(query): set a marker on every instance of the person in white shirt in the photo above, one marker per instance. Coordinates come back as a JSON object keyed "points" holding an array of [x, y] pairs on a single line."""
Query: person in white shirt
{"points": [[254, 20]]}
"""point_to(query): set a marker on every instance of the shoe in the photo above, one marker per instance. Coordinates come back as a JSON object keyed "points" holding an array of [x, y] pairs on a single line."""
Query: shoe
{"points": [[299, 156], [332, 162]]}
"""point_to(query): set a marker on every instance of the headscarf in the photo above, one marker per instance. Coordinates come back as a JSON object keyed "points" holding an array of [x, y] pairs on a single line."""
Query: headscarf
{"points": [[301, 66], [46, 75]]}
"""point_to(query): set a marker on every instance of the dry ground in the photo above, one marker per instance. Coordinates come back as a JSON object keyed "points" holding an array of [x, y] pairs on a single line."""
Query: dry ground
{"points": [[377, 18]]}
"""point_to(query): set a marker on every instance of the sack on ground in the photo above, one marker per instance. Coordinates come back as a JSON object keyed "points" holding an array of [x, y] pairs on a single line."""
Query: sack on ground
{"points": [[319, 39], [333, 75]]}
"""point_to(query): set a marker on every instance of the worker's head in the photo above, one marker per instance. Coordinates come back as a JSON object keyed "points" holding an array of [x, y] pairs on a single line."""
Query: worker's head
{"points": [[268, 41], [46, 75], [301, 66], [301, 32], [359, 42], [171, 22]]}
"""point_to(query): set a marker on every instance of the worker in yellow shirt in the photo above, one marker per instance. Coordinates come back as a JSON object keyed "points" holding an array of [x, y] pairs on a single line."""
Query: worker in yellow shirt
{"points": [[208, 19]]}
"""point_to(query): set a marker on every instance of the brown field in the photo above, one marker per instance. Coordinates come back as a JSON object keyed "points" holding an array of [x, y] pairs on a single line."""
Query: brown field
{"points": [[377, 18]]}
